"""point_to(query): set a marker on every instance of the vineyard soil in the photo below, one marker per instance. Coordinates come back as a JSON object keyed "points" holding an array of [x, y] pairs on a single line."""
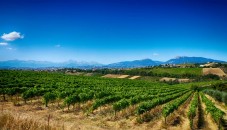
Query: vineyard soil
{"points": [[70, 102], [209, 123]]}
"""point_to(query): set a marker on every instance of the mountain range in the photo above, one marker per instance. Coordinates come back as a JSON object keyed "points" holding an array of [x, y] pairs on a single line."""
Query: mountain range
{"points": [[87, 65]]}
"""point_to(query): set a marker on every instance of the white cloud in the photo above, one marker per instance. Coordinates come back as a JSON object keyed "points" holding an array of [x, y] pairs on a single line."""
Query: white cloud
{"points": [[9, 48], [58, 45], [12, 36], [3, 43], [155, 54]]}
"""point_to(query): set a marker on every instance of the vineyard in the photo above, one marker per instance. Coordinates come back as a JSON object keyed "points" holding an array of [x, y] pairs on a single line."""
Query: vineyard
{"points": [[60, 101]]}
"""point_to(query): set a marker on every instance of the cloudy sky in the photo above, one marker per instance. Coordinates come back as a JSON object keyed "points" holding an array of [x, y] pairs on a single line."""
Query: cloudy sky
{"points": [[108, 31]]}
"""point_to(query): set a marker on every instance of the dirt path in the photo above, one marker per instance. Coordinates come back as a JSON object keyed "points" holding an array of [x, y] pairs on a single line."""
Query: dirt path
{"points": [[181, 113], [220, 106], [156, 125], [209, 124], [134, 77]]}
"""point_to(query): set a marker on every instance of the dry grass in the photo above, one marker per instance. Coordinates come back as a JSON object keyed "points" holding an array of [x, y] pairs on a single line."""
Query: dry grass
{"points": [[34, 116], [8, 121], [184, 80], [134, 77], [111, 76], [123, 76], [115, 76], [216, 71], [120, 76]]}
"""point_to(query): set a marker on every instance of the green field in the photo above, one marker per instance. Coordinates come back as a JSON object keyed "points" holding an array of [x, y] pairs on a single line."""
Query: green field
{"points": [[156, 72], [178, 71], [92, 95]]}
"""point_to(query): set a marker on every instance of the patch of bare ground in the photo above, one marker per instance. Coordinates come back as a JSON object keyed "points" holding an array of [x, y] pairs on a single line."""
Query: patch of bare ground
{"points": [[198, 121], [134, 77], [152, 118], [167, 79], [216, 71], [208, 123], [111, 76], [123, 76], [115, 76]]}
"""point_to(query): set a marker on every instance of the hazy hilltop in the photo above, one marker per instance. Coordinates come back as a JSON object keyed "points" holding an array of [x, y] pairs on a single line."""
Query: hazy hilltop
{"points": [[123, 64]]}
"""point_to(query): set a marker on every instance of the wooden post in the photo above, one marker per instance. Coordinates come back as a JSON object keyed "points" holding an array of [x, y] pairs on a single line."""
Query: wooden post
{"points": [[165, 120], [2, 106], [219, 123], [48, 121]]}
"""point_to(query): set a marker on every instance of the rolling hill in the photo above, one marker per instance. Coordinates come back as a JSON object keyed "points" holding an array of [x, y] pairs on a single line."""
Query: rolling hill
{"points": [[87, 65]]}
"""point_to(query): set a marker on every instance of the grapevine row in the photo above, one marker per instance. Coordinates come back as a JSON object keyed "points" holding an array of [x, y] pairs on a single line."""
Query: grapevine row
{"points": [[193, 108], [146, 106], [170, 107], [216, 113]]}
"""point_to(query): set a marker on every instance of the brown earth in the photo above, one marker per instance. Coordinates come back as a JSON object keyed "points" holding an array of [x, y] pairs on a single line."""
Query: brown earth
{"points": [[219, 105], [102, 119], [111, 76], [134, 77], [115, 76], [71, 120], [123, 76], [167, 79], [209, 123], [216, 71]]}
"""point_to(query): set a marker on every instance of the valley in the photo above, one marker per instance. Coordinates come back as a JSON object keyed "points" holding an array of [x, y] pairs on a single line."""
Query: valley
{"points": [[53, 100]]}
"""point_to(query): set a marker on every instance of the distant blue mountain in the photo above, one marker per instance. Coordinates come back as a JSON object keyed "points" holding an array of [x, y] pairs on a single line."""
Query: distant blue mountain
{"points": [[134, 64], [88, 65], [46, 64], [186, 60]]}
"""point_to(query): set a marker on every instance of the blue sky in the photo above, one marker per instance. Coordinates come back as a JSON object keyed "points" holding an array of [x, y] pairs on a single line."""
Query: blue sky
{"points": [[109, 31]]}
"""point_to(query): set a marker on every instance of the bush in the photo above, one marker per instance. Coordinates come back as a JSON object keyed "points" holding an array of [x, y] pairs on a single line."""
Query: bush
{"points": [[217, 95], [49, 96], [194, 88], [211, 76]]}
